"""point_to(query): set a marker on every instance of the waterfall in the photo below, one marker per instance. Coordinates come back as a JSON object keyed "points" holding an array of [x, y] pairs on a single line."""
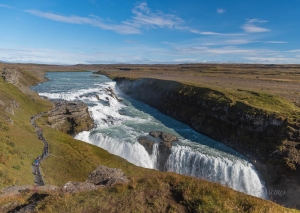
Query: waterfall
{"points": [[120, 123], [237, 174]]}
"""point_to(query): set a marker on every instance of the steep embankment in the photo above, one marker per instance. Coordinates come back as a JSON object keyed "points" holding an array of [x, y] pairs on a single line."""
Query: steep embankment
{"points": [[19, 145], [255, 126]]}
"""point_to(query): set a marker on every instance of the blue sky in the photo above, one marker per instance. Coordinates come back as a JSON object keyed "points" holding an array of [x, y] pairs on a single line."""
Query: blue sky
{"points": [[111, 31]]}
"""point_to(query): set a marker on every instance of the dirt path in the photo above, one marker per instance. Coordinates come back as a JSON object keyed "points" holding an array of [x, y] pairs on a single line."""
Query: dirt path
{"points": [[38, 177]]}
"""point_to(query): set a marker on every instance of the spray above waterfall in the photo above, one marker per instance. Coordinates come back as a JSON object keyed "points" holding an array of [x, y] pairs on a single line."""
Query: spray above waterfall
{"points": [[120, 121]]}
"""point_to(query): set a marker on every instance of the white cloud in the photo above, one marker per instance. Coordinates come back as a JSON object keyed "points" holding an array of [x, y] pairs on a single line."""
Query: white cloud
{"points": [[204, 32], [147, 54], [220, 10], [239, 41], [227, 50], [251, 26], [6, 6], [276, 42], [92, 20], [273, 60], [143, 19], [294, 51]]}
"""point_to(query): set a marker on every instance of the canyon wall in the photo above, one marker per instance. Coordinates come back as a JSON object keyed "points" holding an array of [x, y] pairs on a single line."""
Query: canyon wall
{"points": [[266, 138]]}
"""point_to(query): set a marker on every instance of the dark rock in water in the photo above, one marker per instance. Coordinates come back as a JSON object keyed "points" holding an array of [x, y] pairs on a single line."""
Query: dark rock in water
{"points": [[103, 175], [164, 147], [122, 112], [109, 120], [70, 117], [112, 94], [147, 143], [166, 138]]}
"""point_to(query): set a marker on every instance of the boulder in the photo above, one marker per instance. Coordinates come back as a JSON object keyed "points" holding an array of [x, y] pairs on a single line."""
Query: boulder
{"points": [[74, 187], [103, 175]]}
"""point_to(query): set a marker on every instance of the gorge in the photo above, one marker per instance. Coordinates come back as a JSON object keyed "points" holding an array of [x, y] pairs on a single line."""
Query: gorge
{"points": [[121, 120]]}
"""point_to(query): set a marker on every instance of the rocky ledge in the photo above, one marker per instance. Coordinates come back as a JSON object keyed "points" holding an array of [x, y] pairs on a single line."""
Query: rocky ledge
{"points": [[164, 140], [10, 76], [101, 177], [70, 117]]}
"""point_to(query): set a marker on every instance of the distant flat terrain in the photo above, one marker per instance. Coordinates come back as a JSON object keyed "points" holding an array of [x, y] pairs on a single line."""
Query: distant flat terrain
{"points": [[282, 80]]}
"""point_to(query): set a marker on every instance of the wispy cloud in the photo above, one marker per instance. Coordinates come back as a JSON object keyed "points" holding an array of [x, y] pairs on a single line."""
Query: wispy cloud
{"points": [[220, 10], [143, 18], [276, 42], [239, 41], [215, 51], [92, 20], [251, 26], [148, 54], [6, 6], [204, 32], [215, 33]]}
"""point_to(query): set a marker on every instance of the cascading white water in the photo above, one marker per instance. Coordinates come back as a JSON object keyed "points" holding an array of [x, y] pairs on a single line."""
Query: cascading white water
{"points": [[119, 124], [133, 152], [237, 174]]}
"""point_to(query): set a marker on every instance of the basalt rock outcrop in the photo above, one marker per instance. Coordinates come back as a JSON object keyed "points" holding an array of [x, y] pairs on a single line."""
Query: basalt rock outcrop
{"points": [[10, 76], [269, 139], [70, 117], [164, 141]]}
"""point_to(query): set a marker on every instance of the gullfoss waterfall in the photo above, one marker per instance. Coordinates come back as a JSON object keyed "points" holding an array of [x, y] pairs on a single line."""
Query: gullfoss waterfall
{"points": [[120, 121]]}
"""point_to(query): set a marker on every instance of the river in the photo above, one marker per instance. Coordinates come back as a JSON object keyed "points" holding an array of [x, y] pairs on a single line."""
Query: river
{"points": [[118, 124]]}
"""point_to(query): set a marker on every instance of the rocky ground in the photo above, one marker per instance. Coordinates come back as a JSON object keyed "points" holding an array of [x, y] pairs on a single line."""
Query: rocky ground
{"points": [[101, 177]]}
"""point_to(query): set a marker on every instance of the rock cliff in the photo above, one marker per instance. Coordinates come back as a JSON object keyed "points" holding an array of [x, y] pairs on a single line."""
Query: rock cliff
{"points": [[70, 117], [164, 141], [10, 76], [270, 140]]}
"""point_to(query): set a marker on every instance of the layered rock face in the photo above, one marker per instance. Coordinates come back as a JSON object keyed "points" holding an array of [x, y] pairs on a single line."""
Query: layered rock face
{"points": [[6, 104], [10, 76], [164, 141], [70, 117], [268, 139]]}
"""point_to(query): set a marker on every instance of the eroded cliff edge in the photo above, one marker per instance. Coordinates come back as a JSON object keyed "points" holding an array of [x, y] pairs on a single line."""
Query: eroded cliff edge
{"points": [[270, 139]]}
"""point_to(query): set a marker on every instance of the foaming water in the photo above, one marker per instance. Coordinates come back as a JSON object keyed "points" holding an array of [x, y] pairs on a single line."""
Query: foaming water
{"points": [[120, 122]]}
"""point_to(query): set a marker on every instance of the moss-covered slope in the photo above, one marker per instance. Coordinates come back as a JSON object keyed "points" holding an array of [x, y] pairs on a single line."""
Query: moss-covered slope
{"points": [[19, 145]]}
